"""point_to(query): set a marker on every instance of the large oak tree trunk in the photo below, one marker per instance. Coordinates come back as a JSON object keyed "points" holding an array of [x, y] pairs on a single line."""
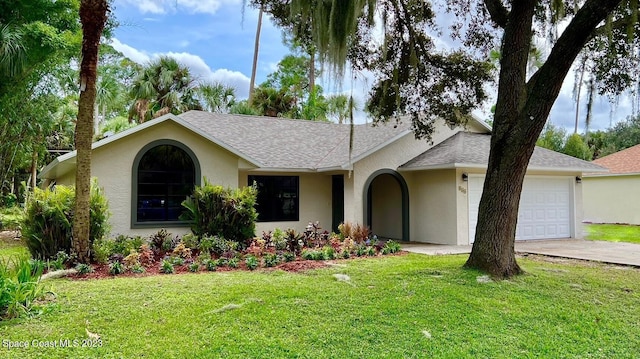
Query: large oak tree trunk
{"points": [[522, 108], [93, 16]]}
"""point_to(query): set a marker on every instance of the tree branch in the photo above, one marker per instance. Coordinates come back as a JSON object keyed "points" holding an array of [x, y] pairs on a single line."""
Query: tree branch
{"points": [[618, 24], [544, 86], [499, 14]]}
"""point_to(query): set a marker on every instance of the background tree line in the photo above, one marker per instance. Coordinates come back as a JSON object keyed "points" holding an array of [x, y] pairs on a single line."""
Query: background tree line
{"points": [[592, 144]]}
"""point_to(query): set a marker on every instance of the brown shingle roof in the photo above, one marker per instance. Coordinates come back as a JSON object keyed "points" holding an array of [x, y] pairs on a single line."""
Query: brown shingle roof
{"points": [[625, 161]]}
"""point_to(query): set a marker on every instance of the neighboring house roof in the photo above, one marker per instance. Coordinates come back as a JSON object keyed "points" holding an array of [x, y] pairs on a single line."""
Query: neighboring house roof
{"points": [[623, 162], [471, 150]]}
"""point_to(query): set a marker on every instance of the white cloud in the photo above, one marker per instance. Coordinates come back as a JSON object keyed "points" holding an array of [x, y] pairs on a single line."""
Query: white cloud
{"points": [[134, 54], [199, 68], [172, 6]]}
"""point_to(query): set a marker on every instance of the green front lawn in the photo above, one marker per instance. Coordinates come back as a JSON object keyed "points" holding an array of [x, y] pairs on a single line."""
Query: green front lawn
{"points": [[389, 307], [613, 232], [10, 247]]}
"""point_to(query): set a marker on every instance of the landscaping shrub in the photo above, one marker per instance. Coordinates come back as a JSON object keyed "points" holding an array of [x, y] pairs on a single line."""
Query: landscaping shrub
{"points": [[83, 268], [229, 213], [116, 268], [252, 262], [271, 260], [162, 241], [48, 220], [166, 267], [20, 286]]}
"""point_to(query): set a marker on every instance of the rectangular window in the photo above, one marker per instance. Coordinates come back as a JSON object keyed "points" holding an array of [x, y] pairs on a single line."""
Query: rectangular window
{"points": [[277, 198]]}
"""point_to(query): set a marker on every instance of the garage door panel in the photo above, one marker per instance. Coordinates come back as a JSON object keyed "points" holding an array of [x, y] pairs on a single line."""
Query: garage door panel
{"points": [[545, 207]]}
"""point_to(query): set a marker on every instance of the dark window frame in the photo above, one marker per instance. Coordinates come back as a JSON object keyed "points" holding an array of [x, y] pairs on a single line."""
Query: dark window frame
{"points": [[134, 183], [277, 193]]}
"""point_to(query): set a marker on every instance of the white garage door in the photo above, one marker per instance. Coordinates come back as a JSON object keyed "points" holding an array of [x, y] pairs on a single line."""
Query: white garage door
{"points": [[545, 207]]}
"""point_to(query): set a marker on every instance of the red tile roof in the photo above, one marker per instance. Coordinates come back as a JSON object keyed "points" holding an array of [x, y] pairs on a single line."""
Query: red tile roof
{"points": [[625, 161]]}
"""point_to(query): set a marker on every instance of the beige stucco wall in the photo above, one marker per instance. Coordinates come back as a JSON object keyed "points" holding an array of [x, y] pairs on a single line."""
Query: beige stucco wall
{"points": [[612, 199], [390, 157], [433, 206], [314, 201], [386, 202], [112, 165]]}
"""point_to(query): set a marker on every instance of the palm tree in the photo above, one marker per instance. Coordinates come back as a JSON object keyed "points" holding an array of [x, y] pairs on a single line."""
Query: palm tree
{"points": [[164, 86], [108, 93], [93, 16], [12, 51], [255, 54], [216, 97], [338, 107]]}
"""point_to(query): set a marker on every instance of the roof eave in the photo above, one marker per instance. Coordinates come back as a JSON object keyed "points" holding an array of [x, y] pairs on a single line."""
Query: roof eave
{"points": [[596, 175], [283, 170], [66, 157]]}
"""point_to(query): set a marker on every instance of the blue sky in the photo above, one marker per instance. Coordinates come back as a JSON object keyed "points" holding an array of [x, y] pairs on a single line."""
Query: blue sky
{"points": [[213, 39]]}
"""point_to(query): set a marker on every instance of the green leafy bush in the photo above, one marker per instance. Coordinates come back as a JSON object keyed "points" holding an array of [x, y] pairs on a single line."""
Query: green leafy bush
{"points": [[210, 264], [217, 245], [20, 286], [251, 262], [229, 213], [288, 256], [48, 220], [124, 244], [391, 247], [328, 252], [83, 268], [194, 267], [191, 241], [314, 255], [166, 267], [271, 260], [233, 262], [116, 268]]}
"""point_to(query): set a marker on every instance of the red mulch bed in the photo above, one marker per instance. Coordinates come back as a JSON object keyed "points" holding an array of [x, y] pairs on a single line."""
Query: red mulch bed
{"points": [[101, 271]]}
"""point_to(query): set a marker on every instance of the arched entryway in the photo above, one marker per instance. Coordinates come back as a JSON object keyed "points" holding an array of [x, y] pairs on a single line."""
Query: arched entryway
{"points": [[386, 205]]}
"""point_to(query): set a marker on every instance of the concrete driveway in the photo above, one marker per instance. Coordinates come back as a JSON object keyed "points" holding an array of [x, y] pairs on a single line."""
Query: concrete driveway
{"points": [[600, 251]]}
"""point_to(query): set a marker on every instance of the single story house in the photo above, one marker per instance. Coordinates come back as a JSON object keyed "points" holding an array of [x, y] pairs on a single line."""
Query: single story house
{"points": [[400, 187], [614, 197]]}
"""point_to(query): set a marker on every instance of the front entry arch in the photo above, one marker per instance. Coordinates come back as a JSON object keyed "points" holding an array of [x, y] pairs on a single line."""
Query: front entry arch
{"points": [[386, 204]]}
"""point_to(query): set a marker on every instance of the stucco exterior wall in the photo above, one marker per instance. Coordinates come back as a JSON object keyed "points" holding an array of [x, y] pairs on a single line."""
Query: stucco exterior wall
{"points": [[314, 201], [612, 199], [434, 206], [390, 157], [113, 166]]}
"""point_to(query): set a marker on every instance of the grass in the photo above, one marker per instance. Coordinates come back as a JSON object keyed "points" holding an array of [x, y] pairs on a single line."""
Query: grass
{"points": [[613, 232], [10, 217], [11, 247], [410, 306]]}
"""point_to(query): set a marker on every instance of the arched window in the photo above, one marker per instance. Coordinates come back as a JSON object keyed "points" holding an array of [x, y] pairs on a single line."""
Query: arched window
{"points": [[165, 173]]}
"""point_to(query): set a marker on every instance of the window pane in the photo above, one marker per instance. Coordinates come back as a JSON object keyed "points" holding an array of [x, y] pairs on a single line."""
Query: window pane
{"points": [[277, 198], [166, 176]]}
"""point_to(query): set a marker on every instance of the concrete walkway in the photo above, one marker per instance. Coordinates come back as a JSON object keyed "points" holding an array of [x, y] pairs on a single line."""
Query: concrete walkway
{"points": [[600, 251]]}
